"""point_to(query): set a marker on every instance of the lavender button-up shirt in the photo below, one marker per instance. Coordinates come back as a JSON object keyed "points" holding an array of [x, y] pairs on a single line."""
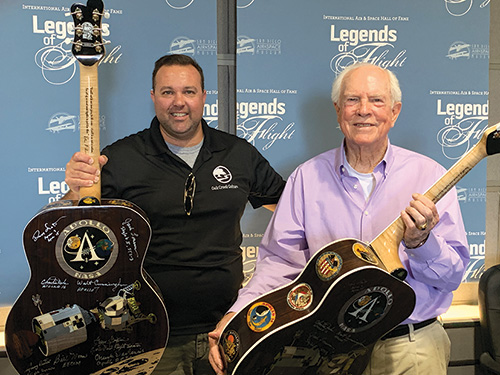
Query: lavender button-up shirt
{"points": [[321, 203]]}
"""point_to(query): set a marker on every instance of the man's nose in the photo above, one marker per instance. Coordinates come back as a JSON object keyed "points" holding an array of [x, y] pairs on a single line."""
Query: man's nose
{"points": [[178, 99], [363, 107]]}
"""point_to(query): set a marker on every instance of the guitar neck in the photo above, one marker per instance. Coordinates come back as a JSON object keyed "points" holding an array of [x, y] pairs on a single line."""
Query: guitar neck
{"points": [[89, 123], [387, 243]]}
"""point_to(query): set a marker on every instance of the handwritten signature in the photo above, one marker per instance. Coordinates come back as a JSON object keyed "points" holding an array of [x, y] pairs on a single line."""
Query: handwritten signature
{"points": [[49, 233]]}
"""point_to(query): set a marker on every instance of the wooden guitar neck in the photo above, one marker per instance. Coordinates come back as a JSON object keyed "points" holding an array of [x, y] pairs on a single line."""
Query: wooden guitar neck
{"points": [[386, 244], [89, 123]]}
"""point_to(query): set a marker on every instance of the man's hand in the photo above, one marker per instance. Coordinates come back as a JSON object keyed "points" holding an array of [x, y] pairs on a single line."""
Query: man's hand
{"points": [[80, 172], [419, 218], [215, 356]]}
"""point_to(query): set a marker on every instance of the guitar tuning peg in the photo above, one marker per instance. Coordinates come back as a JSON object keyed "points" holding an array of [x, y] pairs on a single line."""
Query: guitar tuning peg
{"points": [[78, 12], [96, 14]]}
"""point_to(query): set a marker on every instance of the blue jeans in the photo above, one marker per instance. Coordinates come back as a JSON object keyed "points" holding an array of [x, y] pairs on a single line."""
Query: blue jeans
{"points": [[185, 355]]}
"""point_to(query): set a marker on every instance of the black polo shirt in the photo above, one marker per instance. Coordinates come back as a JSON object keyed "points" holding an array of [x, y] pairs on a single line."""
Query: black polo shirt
{"points": [[196, 260]]}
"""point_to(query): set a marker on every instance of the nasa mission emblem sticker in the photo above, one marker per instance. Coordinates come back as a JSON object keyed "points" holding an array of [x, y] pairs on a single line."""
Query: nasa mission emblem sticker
{"points": [[365, 309], [328, 265], [86, 249], [300, 297], [261, 316], [230, 344], [364, 253]]}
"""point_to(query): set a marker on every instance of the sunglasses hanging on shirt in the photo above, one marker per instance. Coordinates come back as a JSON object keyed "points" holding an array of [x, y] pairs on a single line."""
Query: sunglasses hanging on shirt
{"points": [[189, 190]]}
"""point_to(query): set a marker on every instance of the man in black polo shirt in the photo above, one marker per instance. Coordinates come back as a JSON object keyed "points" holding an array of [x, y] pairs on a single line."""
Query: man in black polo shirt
{"points": [[193, 182]]}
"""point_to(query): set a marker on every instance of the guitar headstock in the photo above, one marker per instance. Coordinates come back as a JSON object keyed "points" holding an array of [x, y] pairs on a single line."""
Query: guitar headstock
{"points": [[492, 135], [88, 46]]}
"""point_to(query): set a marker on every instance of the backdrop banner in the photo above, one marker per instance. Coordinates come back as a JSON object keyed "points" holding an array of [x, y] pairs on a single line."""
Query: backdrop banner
{"points": [[288, 53]]}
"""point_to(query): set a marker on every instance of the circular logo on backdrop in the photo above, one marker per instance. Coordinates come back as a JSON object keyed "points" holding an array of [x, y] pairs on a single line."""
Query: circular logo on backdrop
{"points": [[86, 249], [222, 174], [260, 316], [244, 3], [179, 4], [458, 8]]}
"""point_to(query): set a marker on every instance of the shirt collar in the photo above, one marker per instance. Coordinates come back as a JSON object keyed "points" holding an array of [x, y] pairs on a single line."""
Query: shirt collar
{"points": [[382, 168], [155, 144]]}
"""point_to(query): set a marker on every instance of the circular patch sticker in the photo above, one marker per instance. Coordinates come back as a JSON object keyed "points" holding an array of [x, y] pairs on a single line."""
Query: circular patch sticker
{"points": [[86, 249], [364, 253], [300, 297], [328, 265], [260, 316], [365, 309], [230, 344]]}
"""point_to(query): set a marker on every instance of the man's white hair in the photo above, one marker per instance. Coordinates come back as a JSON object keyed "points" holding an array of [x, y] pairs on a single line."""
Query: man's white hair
{"points": [[393, 81]]}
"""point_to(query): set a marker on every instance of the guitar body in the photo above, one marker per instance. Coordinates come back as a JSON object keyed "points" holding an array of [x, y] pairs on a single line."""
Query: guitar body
{"points": [[89, 307], [325, 322]]}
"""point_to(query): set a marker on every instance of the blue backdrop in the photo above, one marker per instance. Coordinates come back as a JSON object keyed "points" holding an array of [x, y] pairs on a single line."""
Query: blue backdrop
{"points": [[289, 52]]}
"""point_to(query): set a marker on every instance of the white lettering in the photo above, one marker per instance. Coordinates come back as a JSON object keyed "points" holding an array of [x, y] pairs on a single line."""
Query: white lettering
{"points": [[60, 29], [477, 249], [245, 109], [354, 37], [54, 187], [459, 110]]}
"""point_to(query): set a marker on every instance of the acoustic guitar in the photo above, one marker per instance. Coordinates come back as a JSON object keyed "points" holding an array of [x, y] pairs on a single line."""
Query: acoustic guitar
{"points": [[89, 306], [347, 297]]}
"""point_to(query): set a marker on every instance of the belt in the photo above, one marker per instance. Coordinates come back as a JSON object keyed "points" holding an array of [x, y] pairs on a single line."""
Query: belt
{"points": [[403, 330]]}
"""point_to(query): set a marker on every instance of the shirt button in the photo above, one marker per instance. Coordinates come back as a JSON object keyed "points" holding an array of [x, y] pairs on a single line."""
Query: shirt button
{"points": [[366, 213], [355, 186]]}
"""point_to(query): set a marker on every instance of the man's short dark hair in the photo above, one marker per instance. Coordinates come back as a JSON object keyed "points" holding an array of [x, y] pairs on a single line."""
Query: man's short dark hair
{"points": [[169, 60]]}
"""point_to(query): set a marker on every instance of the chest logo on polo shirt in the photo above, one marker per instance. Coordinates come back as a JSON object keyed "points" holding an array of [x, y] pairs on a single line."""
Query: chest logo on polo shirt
{"points": [[222, 174]]}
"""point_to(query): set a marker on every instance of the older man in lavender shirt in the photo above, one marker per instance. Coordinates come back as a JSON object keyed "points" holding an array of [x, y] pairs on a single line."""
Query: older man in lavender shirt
{"points": [[356, 191]]}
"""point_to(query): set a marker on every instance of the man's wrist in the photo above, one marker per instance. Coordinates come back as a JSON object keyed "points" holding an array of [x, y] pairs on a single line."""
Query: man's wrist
{"points": [[417, 246]]}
